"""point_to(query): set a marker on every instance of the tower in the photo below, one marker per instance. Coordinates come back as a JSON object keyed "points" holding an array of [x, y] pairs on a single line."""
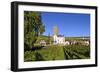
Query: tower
{"points": [[55, 30], [55, 34]]}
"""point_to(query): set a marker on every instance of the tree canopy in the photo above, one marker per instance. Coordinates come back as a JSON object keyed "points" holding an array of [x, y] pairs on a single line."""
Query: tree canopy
{"points": [[33, 27]]}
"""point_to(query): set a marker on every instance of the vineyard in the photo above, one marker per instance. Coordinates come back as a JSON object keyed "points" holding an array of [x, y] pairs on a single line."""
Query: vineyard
{"points": [[52, 52], [76, 52]]}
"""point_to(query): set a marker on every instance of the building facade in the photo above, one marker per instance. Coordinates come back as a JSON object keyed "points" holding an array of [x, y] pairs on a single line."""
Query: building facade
{"points": [[57, 39]]}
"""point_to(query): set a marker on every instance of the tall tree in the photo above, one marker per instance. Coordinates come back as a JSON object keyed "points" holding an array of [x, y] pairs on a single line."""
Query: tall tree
{"points": [[33, 26]]}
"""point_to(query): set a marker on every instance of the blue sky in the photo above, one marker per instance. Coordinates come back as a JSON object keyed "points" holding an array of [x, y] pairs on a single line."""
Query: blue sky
{"points": [[69, 24]]}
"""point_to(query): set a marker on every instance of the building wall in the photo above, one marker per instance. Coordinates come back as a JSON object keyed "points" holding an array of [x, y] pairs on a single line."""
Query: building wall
{"points": [[58, 40]]}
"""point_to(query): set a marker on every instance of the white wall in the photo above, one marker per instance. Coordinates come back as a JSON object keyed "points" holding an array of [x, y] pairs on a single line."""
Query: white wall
{"points": [[5, 35]]}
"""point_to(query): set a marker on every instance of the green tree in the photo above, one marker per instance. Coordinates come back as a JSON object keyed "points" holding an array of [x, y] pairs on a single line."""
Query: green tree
{"points": [[33, 27]]}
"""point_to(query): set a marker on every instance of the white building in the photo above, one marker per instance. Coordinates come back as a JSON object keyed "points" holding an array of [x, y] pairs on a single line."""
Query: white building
{"points": [[42, 43], [58, 39]]}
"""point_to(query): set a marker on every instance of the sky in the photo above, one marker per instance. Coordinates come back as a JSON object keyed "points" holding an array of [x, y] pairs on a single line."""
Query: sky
{"points": [[69, 24]]}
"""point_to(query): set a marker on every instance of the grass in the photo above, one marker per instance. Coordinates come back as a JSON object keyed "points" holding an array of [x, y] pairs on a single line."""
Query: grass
{"points": [[56, 52], [46, 53]]}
